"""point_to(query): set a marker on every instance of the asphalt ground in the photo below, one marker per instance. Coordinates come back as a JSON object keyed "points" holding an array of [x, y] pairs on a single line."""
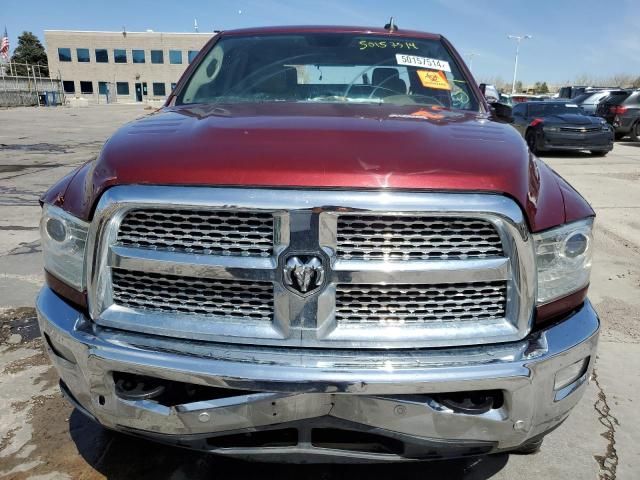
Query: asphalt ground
{"points": [[42, 437]]}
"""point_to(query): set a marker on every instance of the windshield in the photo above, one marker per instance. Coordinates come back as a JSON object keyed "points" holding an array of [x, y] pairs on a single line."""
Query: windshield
{"points": [[616, 98], [581, 98], [590, 98], [543, 110], [329, 68]]}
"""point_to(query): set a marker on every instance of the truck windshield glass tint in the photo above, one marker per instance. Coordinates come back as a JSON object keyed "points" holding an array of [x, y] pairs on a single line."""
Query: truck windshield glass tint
{"points": [[329, 68]]}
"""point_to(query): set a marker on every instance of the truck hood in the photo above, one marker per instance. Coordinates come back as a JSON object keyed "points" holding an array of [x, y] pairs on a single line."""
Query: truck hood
{"points": [[318, 145], [323, 146]]}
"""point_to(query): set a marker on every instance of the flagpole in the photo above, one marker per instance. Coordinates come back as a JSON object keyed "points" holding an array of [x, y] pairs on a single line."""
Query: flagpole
{"points": [[5, 54]]}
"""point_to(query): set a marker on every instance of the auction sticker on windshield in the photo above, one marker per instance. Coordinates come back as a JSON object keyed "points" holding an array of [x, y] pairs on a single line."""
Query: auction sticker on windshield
{"points": [[434, 79], [412, 60]]}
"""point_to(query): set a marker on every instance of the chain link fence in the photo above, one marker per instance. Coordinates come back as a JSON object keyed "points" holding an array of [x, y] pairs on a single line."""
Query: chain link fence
{"points": [[24, 85]]}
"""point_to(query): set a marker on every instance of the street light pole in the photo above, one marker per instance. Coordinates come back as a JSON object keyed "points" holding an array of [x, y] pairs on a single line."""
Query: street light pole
{"points": [[518, 39], [471, 55]]}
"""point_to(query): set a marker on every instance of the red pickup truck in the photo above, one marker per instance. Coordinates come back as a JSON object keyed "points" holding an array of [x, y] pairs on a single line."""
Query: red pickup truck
{"points": [[325, 247]]}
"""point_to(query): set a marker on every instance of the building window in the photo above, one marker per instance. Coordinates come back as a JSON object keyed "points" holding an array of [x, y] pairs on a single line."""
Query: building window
{"points": [[69, 86], [175, 57], [119, 55], [83, 55], [158, 90], [101, 55], [122, 88], [86, 87], [137, 56], [64, 54], [192, 55], [103, 88], [157, 56]]}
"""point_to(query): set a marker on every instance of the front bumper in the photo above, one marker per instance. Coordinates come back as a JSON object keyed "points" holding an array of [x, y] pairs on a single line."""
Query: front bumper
{"points": [[601, 141], [319, 394], [622, 124]]}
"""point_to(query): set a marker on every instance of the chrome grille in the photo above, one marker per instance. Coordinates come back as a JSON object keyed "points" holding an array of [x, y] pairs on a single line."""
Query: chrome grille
{"points": [[207, 232], [231, 299], [447, 269], [399, 238], [401, 304]]}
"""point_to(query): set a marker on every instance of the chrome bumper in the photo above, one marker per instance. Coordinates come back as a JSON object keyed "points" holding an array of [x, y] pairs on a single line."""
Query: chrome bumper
{"points": [[389, 394]]}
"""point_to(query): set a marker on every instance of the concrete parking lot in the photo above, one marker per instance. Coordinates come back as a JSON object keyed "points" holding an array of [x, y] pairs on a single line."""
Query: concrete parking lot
{"points": [[42, 437]]}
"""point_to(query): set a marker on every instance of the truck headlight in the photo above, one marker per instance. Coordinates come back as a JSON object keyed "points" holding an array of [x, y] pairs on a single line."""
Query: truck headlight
{"points": [[64, 239], [563, 258]]}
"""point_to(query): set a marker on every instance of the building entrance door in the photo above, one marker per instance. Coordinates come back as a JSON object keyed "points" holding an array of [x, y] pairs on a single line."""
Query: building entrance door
{"points": [[138, 92]]}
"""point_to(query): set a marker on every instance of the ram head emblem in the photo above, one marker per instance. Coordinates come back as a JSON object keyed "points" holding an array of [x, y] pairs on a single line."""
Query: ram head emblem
{"points": [[303, 274]]}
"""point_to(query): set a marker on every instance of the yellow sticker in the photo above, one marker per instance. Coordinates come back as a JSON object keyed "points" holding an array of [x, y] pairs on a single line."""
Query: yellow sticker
{"points": [[434, 79]]}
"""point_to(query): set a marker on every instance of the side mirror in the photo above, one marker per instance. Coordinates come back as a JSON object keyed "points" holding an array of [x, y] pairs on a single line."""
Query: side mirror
{"points": [[489, 92], [501, 112]]}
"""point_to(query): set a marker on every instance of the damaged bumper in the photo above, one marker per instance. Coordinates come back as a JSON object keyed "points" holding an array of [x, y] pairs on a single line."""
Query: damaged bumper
{"points": [[288, 404]]}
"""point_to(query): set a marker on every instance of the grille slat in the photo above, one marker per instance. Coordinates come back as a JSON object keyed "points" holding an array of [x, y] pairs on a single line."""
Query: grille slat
{"points": [[207, 232], [401, 304], [403, 238], [231, 299], [581, 129]]}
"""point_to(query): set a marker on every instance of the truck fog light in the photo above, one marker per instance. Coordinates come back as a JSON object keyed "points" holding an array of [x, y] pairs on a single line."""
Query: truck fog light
{"points": [[570, 374]]}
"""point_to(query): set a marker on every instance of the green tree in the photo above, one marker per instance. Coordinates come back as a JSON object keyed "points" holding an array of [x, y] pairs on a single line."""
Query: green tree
{"points": [[518, 86], [540, 87], [31, 51]]}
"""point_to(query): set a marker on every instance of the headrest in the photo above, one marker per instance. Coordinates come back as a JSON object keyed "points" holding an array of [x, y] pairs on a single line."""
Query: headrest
{"points": [[279, 81], [383, 74]]}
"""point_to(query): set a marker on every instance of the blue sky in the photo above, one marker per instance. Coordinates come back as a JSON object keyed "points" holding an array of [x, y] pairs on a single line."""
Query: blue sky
{"points": [[570, 37]]}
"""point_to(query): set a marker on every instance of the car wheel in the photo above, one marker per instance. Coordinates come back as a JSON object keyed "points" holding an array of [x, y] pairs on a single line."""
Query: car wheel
{"points": [[529, 448], [635, 132], [599, 153], [531, 141], [619, 136]]}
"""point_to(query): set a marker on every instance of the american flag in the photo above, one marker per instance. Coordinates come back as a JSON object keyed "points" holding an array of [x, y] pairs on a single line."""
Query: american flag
{"points": [[4, 46]]}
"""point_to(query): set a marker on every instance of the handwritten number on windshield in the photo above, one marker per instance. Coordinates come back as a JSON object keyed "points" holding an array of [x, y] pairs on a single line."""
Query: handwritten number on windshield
{"points": [[367, 44]]}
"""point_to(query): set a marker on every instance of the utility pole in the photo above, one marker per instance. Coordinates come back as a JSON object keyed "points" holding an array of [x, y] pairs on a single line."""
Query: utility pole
{"points": [[518, 39], [471, 55]]}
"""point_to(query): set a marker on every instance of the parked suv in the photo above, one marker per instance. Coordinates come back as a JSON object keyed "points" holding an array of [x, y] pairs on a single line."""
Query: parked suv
{"points": [[621, 109], [325, 247], [570, 92], [589, 101]]}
